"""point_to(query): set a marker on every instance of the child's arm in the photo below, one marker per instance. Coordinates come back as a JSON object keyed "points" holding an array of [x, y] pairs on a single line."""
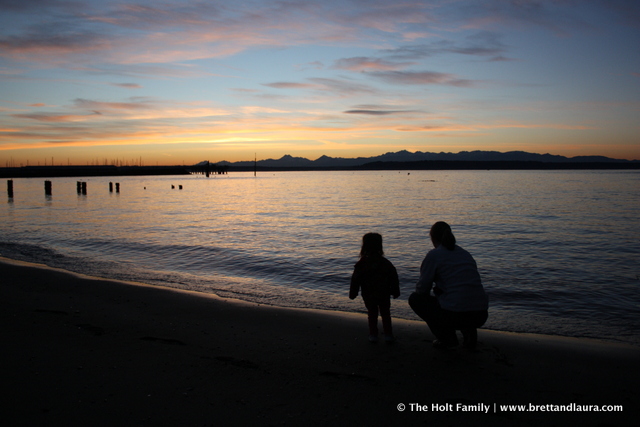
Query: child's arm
{"points": [[395, 282], [355, 284]]}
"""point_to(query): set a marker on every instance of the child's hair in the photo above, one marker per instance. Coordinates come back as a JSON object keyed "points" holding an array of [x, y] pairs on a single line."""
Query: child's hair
{"points": [[441, 232], [371, 245]]}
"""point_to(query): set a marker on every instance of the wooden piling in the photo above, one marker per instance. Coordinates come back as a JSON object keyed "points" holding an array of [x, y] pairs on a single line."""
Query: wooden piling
{"points": [[111, 187], [79, 187], [84, 188], [47, 188], [10, 188], [117, 187]]}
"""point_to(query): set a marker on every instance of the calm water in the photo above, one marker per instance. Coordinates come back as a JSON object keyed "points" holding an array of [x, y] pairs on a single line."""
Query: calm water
{"points": [[558, 251]]}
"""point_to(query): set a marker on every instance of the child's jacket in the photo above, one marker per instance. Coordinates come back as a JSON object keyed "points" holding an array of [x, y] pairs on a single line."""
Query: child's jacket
{"points": [[376, 277]]}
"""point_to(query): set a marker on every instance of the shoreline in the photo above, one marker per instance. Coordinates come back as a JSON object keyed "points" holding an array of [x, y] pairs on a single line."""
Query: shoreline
{"points": [[79, 348], [361, 311], [80, 171]]}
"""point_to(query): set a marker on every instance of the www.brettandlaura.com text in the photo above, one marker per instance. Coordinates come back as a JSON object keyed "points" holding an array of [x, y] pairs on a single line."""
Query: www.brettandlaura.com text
{"points": [[495, 408]]}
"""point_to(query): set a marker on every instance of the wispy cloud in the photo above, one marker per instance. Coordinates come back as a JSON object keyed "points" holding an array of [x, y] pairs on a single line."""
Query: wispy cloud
{"points": [[343, 87], [53, 41], [135, 104], [55, 117], [291, 85], [483, 44], [380, 110], [127, 85], [340, 87], [368, 63], [560, 17], [422, 78]]}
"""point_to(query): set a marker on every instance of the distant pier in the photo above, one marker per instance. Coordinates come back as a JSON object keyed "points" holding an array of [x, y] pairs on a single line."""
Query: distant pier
{"points": [[207, 169], [80, 171]]}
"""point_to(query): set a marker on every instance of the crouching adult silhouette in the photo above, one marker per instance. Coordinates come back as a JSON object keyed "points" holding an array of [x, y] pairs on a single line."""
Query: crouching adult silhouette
{"points": [[460, 302]]}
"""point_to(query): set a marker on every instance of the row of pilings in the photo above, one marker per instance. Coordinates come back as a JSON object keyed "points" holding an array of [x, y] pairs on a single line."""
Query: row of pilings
{"points": [[81, 188]]}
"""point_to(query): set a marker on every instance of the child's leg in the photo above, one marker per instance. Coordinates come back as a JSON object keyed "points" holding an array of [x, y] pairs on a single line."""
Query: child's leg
{"points": [[385, 313], [372, 313]]}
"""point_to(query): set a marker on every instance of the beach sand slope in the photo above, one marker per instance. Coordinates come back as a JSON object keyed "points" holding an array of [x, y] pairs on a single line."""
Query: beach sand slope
{"points": [[77, 350]]}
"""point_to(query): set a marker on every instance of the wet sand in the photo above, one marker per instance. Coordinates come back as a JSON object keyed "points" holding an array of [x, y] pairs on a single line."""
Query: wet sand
{"points": [[85, 351]]}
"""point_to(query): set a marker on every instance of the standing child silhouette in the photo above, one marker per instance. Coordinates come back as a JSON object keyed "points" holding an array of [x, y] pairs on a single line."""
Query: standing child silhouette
{"points": [[377, 278]]}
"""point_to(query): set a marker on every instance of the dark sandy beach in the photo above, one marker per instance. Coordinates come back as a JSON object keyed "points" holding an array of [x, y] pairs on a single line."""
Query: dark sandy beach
{"points": [[84, 351]]}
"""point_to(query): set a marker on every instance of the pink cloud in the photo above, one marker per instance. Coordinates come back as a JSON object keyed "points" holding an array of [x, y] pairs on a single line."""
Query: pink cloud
{"points": [[365, 64], [54, 117], [98, 105], [422, 78], [290, 85], [127, 85]]}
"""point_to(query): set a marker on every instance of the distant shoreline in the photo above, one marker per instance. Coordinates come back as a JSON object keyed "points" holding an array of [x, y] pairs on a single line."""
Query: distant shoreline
{"points": [[80, 171]]}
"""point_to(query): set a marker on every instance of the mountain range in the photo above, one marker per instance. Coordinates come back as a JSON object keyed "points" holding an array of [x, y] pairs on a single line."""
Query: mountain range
{"points": [[405, 156]]}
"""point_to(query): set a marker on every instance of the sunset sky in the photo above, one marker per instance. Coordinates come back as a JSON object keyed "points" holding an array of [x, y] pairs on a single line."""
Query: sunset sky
{"points": [[178, 82]]}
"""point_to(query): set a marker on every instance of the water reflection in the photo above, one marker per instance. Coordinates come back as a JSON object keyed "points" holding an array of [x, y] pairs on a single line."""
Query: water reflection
{"points": [[541, 239]]}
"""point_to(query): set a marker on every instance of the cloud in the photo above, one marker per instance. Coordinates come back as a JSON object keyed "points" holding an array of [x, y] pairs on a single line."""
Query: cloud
{"points": [[344, 87], [366, 63], [28, 5], [140, 104], [422, 78], [54, 117], [560, 17], [377, 111], [52, 40], [127, 85], [244, 90], [315, 65], [485, 44], [290, 85], [168, 71], [341, 87], [140, 16], [628, 12], [163, 32], [382, 16]]}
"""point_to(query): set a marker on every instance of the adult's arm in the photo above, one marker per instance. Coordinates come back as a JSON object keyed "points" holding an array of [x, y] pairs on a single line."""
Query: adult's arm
{"points": [[427, 274]]}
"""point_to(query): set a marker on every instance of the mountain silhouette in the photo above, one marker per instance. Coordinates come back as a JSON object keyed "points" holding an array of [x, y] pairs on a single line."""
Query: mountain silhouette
{"points": [[404, 156]]}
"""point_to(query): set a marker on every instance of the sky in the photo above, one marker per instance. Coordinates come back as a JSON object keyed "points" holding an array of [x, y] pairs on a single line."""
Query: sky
{"points": [[179, 82]]}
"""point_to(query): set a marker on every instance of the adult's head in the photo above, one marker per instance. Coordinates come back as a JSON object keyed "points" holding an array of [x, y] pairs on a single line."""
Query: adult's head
{"points": [[371, 245], [441, 234]]}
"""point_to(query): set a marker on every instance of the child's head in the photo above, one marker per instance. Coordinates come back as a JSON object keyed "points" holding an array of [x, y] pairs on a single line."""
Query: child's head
{"points": [[371, 245]]}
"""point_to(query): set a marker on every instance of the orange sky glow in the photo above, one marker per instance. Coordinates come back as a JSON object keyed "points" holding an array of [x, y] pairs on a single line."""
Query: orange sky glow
{"points": [[181, 82]]}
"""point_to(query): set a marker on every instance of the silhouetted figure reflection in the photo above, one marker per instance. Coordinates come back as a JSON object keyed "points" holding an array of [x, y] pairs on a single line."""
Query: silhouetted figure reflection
{"points": [[460, 302], [377, 278]]}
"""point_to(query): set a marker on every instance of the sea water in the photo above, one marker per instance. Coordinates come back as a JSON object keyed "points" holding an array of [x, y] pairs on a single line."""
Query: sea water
{"points": [[558, 251]]}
